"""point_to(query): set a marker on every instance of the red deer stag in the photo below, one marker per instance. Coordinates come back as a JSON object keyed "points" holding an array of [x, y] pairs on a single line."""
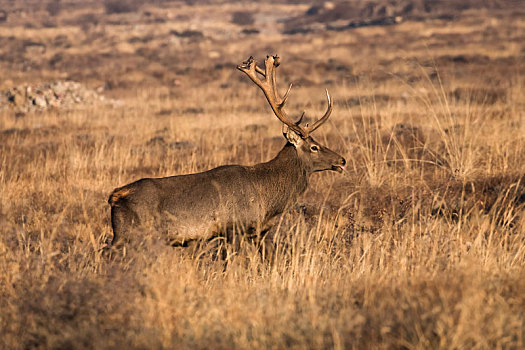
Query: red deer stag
{"points": [[200, 206]]}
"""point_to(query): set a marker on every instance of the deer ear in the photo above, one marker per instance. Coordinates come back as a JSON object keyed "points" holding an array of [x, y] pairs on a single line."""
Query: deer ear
{"points": [[292, 137]]}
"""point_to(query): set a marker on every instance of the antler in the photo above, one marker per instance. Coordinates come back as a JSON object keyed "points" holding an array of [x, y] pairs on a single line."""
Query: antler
{"points": [[269, 87]]}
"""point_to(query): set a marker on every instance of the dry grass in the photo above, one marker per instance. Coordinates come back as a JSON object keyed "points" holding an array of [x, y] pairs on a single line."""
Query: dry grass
{"points": [[420, 244]]}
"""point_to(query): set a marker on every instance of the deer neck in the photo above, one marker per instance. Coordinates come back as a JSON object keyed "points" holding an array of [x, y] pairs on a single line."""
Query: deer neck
{"points": [[287, 178]]}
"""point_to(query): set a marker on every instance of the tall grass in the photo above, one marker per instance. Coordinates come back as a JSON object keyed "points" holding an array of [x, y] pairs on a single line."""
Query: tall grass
{"points": [[354, 269]]}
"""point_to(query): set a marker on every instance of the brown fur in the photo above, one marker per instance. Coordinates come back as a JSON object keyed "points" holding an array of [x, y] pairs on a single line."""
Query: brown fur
{"points": [[199, 206], [118, 194]]}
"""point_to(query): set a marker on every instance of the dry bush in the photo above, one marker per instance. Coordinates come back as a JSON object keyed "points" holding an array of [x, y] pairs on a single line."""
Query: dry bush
{"points": [[121, 6], [243, 18], [54, 7]]}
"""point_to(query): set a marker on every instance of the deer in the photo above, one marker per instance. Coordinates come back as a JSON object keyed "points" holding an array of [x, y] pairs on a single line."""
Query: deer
{"points": [[203, 205]]}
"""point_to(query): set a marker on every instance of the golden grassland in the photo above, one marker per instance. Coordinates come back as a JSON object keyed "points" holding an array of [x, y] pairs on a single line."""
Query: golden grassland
{"points": [[419, 244]]}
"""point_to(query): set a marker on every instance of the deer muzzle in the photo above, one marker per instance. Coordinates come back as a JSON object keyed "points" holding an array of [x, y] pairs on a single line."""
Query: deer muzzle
{"points": [[339, 167]]}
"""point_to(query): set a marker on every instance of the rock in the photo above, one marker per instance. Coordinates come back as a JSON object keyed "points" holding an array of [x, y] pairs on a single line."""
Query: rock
{"points": [[18, 99], [40, 101], [59, 88], [59, 94]]}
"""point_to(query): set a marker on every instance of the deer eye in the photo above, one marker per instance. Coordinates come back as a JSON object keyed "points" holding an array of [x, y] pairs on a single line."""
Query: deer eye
{"points": [[314, 148]]}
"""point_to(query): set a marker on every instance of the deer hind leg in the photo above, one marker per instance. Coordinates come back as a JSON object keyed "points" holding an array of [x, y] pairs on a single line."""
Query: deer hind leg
{"points": [[123, 219]]}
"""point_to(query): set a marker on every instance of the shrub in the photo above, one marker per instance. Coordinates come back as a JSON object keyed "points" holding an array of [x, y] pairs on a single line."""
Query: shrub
{"points": [[53, 7], [121, 6], [243, 18]]}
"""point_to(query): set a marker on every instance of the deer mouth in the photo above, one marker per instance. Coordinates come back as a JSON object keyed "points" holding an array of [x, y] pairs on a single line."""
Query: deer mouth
{"points": [[338, 168]]}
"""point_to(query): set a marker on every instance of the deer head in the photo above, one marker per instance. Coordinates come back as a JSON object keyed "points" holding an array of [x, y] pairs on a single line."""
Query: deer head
{"points": [[314, 156]]}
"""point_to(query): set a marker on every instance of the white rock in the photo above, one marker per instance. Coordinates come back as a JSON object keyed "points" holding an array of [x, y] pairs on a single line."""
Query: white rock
{"points": [[40, 101]]}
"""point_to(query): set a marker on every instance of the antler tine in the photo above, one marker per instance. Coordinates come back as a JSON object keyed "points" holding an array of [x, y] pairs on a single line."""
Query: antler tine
{"points": [[269, 87], [298, 122], [250, 67], [270, 63], [324, 118], [283, 102], [260, 71]]}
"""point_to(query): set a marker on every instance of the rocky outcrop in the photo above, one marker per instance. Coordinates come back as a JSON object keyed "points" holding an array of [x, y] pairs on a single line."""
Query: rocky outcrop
{"points": [[59, 94]]}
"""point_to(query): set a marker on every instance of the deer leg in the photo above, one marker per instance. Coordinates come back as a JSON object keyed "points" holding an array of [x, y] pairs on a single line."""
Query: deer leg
{"points": [[122, 220], [266, 246]]}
